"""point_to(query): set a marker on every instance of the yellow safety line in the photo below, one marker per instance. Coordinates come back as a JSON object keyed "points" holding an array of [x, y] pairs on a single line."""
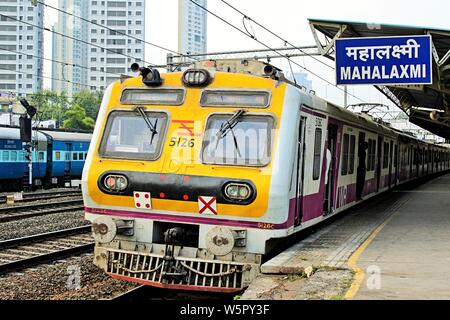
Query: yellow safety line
{"points": [[353, 261]]}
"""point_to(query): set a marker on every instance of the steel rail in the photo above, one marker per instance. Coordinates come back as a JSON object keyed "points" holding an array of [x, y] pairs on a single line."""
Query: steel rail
{"points": [[41, 239]]}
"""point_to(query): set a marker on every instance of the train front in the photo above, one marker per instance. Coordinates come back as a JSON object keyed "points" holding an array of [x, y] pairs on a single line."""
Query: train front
{"points": [[178, 177]]}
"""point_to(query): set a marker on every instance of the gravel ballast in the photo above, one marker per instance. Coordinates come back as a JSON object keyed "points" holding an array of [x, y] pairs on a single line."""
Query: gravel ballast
{"points": [[41, 224], [60, 282]]}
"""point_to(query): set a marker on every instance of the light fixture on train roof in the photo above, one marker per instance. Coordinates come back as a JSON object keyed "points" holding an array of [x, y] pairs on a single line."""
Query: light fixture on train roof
{"points": [[150, 77], [272, 72], [196, 78]]}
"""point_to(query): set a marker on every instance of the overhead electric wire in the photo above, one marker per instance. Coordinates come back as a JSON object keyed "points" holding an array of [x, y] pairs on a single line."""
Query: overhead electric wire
{"points": [[61, 62], [46, 77], [276, 35], [272, 49], [76, 39], [117, 32]]}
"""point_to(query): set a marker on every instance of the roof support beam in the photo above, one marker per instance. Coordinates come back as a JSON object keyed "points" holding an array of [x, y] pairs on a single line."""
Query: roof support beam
{"points": [[444, 59], [325, 50]]}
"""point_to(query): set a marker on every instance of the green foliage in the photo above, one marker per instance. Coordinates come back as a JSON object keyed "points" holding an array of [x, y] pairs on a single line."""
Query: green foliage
{"points": [[76, 119], [78, 112], [89, 101]]}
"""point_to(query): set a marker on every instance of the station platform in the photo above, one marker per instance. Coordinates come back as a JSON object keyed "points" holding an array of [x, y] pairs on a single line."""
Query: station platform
{"points": [[397, 245]]}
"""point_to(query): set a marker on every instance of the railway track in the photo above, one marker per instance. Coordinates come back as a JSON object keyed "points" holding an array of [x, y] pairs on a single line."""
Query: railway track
{"points": [[36, 196], [14, 213], [16, 254]]}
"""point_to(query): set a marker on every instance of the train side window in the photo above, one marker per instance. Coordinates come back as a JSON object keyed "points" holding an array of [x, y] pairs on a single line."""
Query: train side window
{"points": [[5, 156], [41, 156], [371, 155], [386, 155], [395, 155], [351, 167], [374, 153], [75, 156], [13, 156], [80, 156], [317, 154], [67, 156], [344, 166], [57, 155]]}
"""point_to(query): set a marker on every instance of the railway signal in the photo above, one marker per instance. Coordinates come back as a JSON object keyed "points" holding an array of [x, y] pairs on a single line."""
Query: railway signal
{"points": [[27, 139]]}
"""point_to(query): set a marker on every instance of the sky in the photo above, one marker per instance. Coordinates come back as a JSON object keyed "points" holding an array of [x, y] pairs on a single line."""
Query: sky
{"points": [[289, 19]]}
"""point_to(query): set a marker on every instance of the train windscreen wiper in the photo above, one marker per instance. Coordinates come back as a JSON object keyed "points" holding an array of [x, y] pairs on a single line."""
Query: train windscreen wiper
{"points": [[229, 126], [150, 125]]}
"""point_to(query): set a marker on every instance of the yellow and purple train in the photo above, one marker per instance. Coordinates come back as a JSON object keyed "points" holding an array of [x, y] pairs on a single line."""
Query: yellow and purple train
{"points": [[190, 174]]}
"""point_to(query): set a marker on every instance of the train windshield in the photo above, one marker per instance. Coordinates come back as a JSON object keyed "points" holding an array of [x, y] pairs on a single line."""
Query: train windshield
{"points": [[128, 136], [248, 143]]}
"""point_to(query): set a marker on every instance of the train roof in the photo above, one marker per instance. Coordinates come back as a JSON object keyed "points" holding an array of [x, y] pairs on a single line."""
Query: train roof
{"points": [[14, 134], [68, 136]]}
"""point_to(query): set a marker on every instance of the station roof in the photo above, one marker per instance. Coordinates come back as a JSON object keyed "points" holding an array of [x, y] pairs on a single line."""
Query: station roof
{"points": [[417, 101]]}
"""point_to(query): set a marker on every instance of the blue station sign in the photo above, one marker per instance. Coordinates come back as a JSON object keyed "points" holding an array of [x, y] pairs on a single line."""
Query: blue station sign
{"points": [[384, 60]]}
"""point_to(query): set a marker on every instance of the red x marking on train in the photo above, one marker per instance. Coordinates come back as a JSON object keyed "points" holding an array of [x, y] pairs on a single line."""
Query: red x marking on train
{"points": [[207, 205], [188, 128]]}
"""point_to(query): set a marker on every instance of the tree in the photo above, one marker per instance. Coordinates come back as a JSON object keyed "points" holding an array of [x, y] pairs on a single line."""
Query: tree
{"points": [[50, 105], [76, 119], [89, 101]]}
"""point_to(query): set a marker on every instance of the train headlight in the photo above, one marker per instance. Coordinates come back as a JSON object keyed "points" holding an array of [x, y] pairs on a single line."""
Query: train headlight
{"points": [[116, 183], [196, 78], [238, 191]]}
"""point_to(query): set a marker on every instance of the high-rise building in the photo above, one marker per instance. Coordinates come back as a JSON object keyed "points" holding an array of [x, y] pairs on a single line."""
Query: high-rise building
{"points": [[69, 51], [126, 17], [99, 64], [21, 68], [192, 27]]}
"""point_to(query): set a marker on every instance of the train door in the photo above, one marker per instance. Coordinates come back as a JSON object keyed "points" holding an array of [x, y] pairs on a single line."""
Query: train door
{"points": [[330, 158], [391, 162], [300, 172], [361, 170], [379, 159], [68, 160]]}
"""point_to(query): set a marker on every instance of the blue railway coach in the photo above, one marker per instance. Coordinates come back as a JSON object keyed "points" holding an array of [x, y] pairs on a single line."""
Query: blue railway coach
{"points": [[57, 157], [67, 152]]}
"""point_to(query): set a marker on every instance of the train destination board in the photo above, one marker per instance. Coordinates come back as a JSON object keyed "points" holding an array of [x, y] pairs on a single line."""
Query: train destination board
{"points": [[384, 60]]}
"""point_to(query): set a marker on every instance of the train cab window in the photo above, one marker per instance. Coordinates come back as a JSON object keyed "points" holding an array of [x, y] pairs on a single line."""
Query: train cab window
{"points": [[135, 136], [166, 97], [351, 156], [58, 155], [248, 143], [345, 149], [317, 154], [229, 98]]}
